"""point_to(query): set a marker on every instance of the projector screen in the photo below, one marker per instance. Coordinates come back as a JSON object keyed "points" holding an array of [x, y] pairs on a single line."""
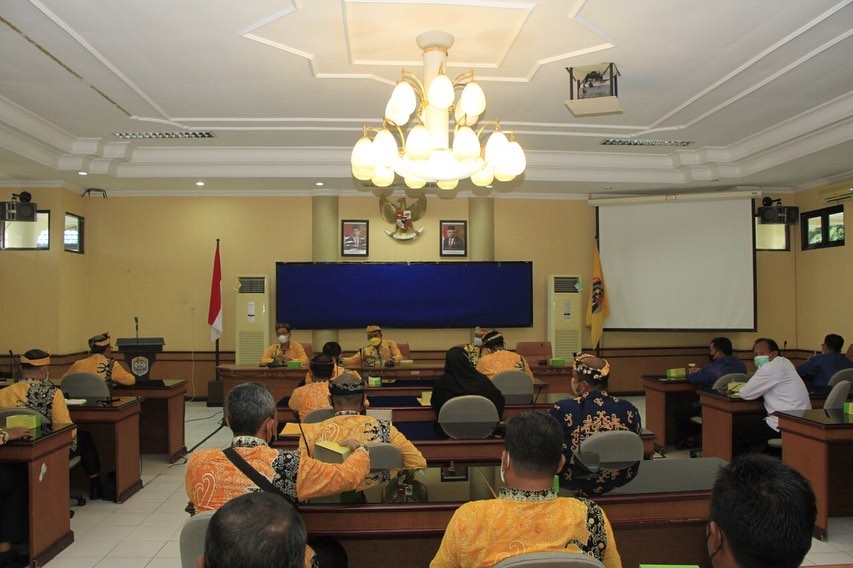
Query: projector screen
{"points": [[346, 295], [679, 265]]}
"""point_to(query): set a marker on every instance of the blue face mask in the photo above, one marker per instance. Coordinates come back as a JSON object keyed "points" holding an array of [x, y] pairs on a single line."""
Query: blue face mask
{"points": [[478, 341], [761, 360]]}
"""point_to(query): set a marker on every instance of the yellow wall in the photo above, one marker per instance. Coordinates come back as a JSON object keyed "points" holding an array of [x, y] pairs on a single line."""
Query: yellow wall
{"points": [[152, 257]]}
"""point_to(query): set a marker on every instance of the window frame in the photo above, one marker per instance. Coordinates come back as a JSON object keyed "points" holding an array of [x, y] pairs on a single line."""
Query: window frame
{"points": [[81, 232], [3, 245], [823, 215]]}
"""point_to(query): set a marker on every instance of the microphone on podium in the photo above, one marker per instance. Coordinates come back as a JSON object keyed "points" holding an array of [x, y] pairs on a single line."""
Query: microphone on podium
{"points": [[136, 321]]}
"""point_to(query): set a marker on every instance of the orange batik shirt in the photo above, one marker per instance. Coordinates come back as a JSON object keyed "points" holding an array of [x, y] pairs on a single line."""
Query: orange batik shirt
{"points": [[386, 351], [294, 352], [98, 364], [503, 360], [310, 397], [348, 424], [212, 480], [483, 533]]}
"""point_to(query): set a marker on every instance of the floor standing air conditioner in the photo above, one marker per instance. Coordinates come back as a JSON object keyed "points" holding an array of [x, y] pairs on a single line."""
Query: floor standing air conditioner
{"points": [[565, 319], [252, 321]]}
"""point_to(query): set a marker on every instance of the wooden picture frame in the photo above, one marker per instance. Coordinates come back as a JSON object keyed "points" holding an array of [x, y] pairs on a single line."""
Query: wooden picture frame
{"points": [[355, 237], [453, 238]]}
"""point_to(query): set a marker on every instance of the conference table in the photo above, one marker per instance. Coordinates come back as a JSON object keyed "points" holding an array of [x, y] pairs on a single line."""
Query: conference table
{"points": [[663, 397], [46, 459], [720, 412], [400, 380], [114, 426], [819, 444], [666, 504], [161, 424]]}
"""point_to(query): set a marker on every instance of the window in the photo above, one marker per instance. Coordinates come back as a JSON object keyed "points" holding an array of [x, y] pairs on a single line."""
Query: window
{"points": [[823, 228], [771, 236], [27, 235], [73, 235]]}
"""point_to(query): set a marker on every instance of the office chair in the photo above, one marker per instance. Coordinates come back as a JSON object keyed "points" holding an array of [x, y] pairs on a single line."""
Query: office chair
{"points": [[309, 349], [834, 401], [516, 387], [405, 350], [76, 498], [842, 375], [469, 417], [718, 385], [550, 560], [614, 446], [192, 538], [84, 385], [318, 415], [384, 456]]}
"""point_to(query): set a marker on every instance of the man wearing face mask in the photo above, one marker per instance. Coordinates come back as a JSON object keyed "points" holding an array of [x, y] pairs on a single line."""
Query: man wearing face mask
{"points": [[214, 476], [278, 354], [379, 353], [475, 350], [527, 515], [777, 381], [722, 362]]}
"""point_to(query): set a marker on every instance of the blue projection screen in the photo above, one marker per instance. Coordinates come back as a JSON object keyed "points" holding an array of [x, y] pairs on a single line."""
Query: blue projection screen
{"points": [[346, 295]]}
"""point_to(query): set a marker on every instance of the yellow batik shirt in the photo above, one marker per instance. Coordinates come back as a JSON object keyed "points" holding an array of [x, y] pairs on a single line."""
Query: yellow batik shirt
{"points": [[310, 397], [39, 396], [473, 352], [367, 430], [294, 352], [386, 351], [98, 364], [212, 480], [483, 533], [503, 360]]}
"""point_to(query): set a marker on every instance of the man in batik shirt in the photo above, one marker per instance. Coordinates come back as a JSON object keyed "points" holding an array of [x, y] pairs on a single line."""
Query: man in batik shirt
{"points": [[527, 515], [101, 362], [348, 399], [379, 353], [212, 479], [284, 350], [495, 358], [592, 410]]}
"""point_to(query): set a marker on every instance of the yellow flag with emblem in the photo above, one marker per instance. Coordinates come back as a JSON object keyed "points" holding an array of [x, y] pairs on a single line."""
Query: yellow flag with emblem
{"points": [[598, 307]]}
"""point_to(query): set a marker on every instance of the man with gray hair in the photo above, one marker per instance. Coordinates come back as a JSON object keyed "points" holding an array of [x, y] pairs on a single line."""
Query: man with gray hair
{"points": [[214, 476]]}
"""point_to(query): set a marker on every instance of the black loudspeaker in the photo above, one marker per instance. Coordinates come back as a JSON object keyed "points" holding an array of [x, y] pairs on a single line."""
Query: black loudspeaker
{"points": [[779, 215], [18, 211]]}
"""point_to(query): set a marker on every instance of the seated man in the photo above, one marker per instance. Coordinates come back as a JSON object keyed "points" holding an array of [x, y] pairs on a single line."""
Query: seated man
{"points": [[592, 410], [820, 368], [255, 530], [475, 350], [777, 381], [213, 477], [333, 350], [101, 362], [283, 350], [495, 358], [348, 399], [14, 518], [528, 515], [315, 394], [723, 362], [762, 515], [380, 352], [35, 391]]}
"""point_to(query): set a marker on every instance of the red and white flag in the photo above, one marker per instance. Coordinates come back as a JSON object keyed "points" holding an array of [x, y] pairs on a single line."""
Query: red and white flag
{"points": [[214, 314]]}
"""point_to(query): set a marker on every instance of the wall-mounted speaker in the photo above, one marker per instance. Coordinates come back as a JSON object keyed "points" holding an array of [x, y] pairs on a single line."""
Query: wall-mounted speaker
{"points": [[779, 215], [18, 211]]}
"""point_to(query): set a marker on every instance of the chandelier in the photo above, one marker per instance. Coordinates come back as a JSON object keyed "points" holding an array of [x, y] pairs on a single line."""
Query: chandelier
{"points": [[425, 153]]}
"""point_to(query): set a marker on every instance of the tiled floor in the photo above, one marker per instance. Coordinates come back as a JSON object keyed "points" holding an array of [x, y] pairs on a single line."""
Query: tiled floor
{"points": [[144, 531]]}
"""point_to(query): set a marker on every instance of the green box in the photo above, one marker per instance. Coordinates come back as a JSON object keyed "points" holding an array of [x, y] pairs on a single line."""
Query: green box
{"points": [[374, 381], [294, 364], [558, 362], [28, 421], [848, 408], [678, 373]]}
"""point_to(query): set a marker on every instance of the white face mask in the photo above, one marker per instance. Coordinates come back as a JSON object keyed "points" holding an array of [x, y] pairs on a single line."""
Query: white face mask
{"points": [[761, 360], [478, 341], [283, 338]]}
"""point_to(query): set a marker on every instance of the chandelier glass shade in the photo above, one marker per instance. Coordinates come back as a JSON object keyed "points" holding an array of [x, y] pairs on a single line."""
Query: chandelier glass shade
{"points": [[424, 152]]}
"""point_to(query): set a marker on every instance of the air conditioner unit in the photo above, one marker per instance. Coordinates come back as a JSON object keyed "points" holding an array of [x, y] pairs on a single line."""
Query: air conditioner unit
{"points": [[837, 192], [565, 318], [252, 321]]}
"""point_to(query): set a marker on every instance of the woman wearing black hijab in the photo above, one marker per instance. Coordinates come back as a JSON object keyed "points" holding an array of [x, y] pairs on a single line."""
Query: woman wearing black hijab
{"points": [[461, 378]]}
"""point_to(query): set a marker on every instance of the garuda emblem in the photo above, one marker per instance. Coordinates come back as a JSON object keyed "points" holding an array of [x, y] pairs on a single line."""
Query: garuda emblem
{"points": [[403, 217]]}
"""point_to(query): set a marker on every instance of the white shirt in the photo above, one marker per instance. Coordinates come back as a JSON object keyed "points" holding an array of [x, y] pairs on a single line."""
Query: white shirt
{"points": [[780, 385]]}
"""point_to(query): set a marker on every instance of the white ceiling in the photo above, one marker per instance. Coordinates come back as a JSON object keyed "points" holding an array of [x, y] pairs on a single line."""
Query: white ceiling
{"points": [[763, 88]]}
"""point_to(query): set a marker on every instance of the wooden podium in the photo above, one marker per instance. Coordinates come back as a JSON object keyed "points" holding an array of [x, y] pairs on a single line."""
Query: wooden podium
{"points": [[140, 354]]}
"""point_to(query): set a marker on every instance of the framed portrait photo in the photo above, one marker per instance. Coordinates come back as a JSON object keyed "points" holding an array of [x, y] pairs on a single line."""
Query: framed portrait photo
{"points": [[354, 237], [453, 238]]}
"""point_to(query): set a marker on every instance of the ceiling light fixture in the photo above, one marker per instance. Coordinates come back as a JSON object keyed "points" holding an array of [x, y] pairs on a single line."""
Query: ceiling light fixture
{"points": [[425, 154]]}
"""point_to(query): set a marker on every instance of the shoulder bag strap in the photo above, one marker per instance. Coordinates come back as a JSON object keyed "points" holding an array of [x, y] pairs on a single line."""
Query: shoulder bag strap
{"points": [[250, 472]]}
